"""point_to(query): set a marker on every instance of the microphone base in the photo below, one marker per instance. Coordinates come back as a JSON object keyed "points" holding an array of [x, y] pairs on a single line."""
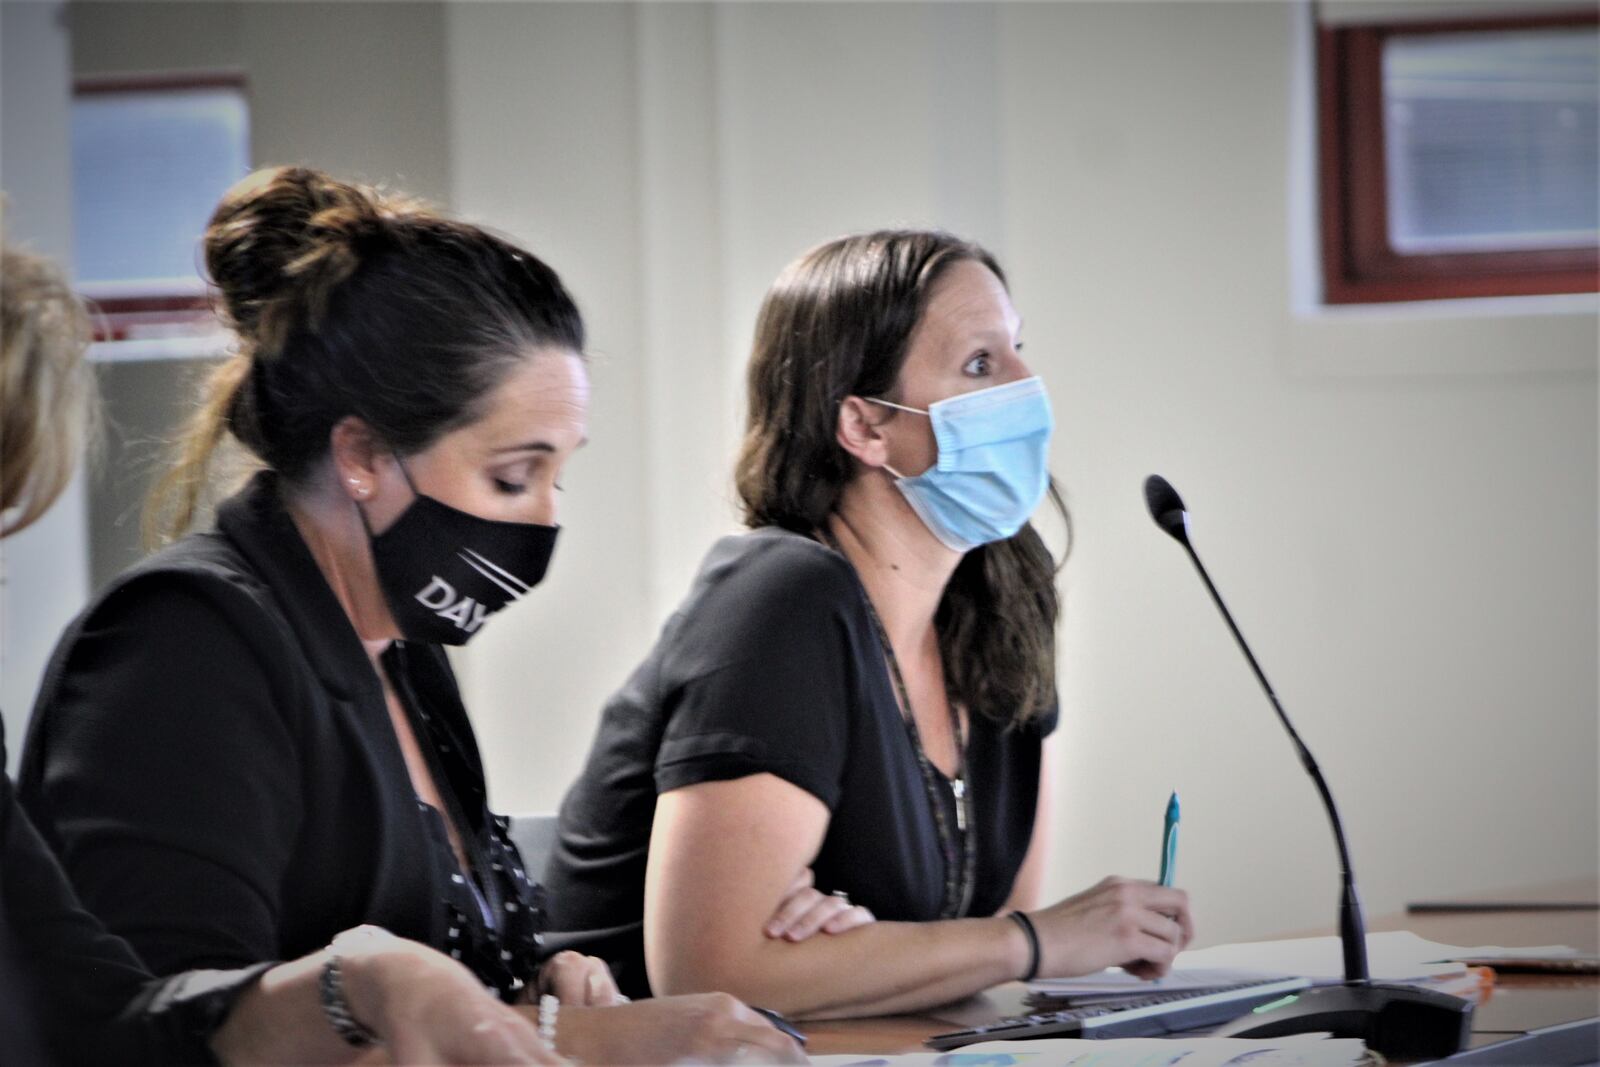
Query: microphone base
{"points": [[1395, 1020]]}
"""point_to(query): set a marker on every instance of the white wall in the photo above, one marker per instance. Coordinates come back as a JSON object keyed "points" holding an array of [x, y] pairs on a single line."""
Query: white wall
{"points": [[544, 145], [44, 571], [1400, 505]]}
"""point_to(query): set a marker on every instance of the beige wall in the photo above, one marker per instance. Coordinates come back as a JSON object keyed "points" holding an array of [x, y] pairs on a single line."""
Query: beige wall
{"points": [[1400, 504]]}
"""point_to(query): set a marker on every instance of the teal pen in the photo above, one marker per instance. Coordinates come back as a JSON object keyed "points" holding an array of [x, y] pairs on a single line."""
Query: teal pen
{"points": [[1169, 842]]}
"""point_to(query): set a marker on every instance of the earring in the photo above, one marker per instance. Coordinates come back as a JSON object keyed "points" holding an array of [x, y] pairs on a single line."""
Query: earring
{"points": [[361, 488]]}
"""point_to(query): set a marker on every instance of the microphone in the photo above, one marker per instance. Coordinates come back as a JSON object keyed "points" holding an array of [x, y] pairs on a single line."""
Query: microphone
{"points": [[1395, 1020]]}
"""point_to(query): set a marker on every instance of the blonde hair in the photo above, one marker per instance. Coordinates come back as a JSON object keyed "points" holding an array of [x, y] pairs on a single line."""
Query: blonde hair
{"points": [[46, 387]]}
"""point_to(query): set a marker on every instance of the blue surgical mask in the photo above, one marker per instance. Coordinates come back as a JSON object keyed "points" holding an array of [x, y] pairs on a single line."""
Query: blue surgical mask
{"points": [[992, 470]]}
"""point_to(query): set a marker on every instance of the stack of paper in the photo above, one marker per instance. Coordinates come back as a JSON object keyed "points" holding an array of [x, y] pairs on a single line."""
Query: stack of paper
{"points": [[1537, 959], [1398, 956], [1108, 987]]}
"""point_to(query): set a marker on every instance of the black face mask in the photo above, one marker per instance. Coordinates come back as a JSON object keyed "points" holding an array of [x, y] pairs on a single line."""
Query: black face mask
{"points": [[444, 571]]}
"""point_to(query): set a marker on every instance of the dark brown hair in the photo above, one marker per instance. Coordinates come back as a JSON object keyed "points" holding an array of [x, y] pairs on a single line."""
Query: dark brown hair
{"points": [[350, 301], [838, 323]]}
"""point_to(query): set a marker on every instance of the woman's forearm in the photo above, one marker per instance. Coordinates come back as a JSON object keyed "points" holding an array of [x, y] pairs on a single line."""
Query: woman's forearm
{"points": [[281, 1020], [880, 968], [421, 1005]]}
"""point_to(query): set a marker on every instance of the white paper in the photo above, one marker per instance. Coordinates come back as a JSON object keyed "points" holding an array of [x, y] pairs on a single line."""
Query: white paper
{"points": [[1117, 980], [1301, 1051], [1397, 956], [1496, 952]]}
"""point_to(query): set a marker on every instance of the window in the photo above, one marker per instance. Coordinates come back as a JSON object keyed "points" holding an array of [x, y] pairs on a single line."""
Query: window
{"points": [[1458, 159], [150, 157]]}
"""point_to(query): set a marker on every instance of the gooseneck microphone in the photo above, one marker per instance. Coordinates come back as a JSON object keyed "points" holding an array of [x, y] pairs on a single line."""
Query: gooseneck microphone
{"points": [[1396, 1020], [1166, 507]]}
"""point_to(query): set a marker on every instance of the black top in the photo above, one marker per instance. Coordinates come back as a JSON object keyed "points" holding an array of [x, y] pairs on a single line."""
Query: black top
{"points": [[772, 665], [212, 759], [70, 992]]}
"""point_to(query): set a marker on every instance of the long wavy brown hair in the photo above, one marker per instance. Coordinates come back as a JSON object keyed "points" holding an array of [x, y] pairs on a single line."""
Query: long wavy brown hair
{"points": [[838, 323]]}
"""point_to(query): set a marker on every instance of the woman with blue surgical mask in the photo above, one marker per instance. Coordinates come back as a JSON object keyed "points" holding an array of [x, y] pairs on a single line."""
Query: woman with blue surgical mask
{"points": [[857, 690]]}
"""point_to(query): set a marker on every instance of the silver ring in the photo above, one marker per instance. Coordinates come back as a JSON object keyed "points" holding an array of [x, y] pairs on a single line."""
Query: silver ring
{"points": [[842, 895]]}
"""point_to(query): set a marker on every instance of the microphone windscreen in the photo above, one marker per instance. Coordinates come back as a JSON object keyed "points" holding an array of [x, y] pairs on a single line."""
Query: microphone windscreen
{"points": [[1166, 506]]}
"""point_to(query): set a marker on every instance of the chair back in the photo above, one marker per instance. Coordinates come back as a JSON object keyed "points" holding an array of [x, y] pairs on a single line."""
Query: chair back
{"points": [[534, 834]]}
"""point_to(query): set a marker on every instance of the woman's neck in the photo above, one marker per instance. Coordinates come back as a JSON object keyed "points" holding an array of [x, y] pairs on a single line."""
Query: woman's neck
{"points": [[904, 568], [332, 529]]}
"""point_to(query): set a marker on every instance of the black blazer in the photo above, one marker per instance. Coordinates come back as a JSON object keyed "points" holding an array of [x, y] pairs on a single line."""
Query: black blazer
{"points": [[70, 993], [212, 758]]}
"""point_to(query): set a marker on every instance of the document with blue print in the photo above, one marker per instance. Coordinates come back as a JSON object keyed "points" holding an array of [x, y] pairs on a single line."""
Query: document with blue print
{"points": [[1302, 1051]]}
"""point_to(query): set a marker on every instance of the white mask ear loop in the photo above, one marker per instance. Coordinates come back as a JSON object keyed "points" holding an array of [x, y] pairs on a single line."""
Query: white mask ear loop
{"points": [[902, 407], [892, 404]]}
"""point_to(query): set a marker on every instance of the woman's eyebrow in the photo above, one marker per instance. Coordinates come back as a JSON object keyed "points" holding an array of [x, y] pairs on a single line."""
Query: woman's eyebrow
{"points": [[534, 446]]}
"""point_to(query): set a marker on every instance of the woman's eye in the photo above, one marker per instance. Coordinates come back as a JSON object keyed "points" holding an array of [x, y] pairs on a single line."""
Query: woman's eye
{"points": [[977, 366], [509, 488]]}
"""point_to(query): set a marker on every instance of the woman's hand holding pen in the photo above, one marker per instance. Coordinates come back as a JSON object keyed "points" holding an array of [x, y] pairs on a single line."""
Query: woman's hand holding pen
{"points": [[700, 1028], [431, 1009], [1119, 922]]}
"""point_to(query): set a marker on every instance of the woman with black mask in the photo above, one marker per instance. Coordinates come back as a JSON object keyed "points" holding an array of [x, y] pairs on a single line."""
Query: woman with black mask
{"points": [[253, 739], [72, 993]]}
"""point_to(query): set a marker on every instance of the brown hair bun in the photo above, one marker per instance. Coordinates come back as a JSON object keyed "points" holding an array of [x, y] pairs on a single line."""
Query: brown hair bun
{"points": [[348, 301], [284, 238]]}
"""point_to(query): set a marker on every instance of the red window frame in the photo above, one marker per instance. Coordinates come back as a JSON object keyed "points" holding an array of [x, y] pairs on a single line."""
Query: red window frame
{"points": [[1358, 263], [116, 315]]}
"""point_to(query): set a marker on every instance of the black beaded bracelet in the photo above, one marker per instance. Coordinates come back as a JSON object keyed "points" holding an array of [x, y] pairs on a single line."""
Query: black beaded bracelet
{"points": [[330, 988], [1033, 943]]}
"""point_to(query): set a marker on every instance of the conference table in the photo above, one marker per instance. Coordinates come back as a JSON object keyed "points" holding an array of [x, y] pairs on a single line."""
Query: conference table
{"points": [[1517, 1004]]}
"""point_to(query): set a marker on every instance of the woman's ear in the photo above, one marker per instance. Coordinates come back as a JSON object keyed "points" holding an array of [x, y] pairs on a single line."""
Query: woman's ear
{"points": [[858, 433], [357, 455]]}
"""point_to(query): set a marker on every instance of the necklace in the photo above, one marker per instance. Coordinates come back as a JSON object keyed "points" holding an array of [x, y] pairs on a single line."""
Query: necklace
{"points": [[959, 847]]}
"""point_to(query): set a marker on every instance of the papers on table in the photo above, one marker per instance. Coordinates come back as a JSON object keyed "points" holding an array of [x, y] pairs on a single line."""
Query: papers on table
{"points": [[1304, 1051], [1496, 952], [1538, 959], [1398, 956]]}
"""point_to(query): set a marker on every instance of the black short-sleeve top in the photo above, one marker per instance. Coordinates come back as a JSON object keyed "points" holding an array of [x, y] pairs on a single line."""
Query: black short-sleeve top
{"points": [[773, 665], [211, 757]]}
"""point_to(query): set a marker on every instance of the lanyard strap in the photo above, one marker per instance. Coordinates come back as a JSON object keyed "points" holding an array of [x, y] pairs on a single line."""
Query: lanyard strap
{"points": [[959, 847]]}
